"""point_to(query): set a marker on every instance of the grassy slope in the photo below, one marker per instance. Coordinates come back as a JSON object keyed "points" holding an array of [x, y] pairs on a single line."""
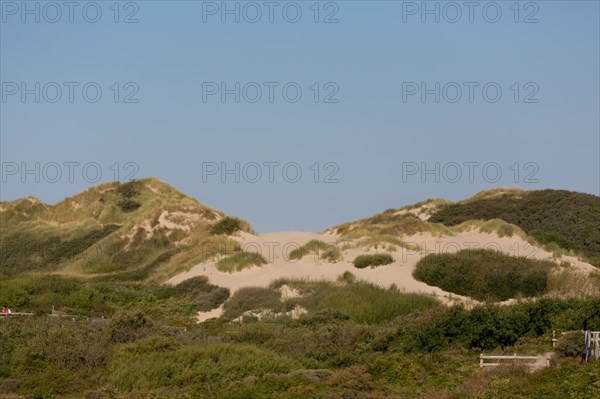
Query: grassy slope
{"points": [[110, 229], [567, 219], [109, 248]]}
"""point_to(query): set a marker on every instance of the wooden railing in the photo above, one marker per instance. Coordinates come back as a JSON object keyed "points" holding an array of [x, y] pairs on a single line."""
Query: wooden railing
{"points": [[591, 346], [15, 314], [543, 360]]}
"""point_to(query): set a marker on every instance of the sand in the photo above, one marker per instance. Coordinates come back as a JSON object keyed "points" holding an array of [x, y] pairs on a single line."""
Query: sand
{"points": [[275, 247]]}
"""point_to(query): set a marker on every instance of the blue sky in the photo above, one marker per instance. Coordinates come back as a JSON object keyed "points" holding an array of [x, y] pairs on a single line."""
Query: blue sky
{"points": [[369, 134]]}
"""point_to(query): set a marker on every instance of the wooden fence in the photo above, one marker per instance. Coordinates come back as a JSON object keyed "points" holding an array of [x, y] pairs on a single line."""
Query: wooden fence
{"points": [[591, 346], [541, 360], [15, 314]]}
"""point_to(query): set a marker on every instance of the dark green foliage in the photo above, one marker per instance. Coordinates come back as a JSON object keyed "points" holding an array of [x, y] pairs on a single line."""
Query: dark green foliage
{"points": [[322, 317], [569, 219], [129, 205], [368, 304], [324, 354], [252, 298], [103, 296], [570, 344], [374, 260], [128, 192], [201, 293], [227, 225], [128, 327], [491, 326], [484, 274], [130, 189]]}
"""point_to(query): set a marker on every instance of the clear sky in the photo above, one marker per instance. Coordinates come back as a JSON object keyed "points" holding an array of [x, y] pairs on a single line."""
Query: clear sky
{"points": [[389, 89]]}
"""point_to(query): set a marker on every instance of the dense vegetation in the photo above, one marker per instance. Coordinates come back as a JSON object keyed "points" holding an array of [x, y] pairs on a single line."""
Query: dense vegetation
{"points": [[102, 256], [103, 297], [485, 275], [565, 219], [372, 260], [423, 352]]}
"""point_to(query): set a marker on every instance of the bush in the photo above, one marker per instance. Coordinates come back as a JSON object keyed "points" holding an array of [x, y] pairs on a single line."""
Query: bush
{"points": [[571, 344], [130, 189], [369, 304], [363, 261], [201, 293], [129, 326], [252, 298], [228, 225], [323, 317], [129, 205], [347, 277], [485, 274]]}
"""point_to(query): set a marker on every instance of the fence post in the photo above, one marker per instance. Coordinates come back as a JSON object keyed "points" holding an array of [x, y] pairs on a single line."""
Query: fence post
{"points": [[481, 360]]}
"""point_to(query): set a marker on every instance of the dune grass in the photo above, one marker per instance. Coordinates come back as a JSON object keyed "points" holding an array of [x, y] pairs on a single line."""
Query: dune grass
{"points": [[320, 249], [240, 261]]}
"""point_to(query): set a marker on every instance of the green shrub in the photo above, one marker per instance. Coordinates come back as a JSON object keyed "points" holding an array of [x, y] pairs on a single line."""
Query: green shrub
{"points": [[368, 304], [240, 261], [323, 317], [130, 189], [485, 274], [570, 344], [374, 260], [228, 225], [347, 277], [198, 291], [129, 326], [129, 205], [210, 367], [252, 298]]}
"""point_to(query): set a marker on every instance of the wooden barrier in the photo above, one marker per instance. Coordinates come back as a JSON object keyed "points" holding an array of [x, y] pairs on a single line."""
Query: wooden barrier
{"points": [[591, 348], [541, 360], [15, 314]]}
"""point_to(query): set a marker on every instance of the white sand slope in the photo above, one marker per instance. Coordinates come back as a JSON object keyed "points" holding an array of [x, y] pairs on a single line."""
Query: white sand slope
{"points": [[276, 246]]}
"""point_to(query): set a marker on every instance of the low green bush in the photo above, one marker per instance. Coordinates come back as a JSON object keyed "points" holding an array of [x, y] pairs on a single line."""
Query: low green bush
{"points": [[228, 225], [374, 260], [252, 298], [347, 277], [485, 274], [570, 344], [201, 293], [368, 304]]}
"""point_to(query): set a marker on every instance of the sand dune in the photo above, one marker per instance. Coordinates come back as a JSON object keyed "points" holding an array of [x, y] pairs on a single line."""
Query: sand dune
{"points": [[275, 248]]}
